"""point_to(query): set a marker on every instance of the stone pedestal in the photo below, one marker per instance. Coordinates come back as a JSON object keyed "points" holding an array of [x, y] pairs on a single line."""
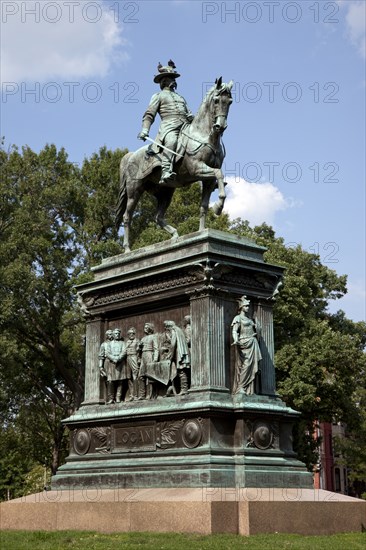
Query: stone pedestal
{"points": [[206, 510], [207, 437]]}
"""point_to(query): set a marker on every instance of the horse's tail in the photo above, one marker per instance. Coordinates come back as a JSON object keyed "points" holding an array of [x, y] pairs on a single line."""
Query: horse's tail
{"points": [[122, 194]]}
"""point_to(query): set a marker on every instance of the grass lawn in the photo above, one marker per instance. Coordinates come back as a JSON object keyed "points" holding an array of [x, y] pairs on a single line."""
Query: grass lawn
{"points": [[81, 540]]}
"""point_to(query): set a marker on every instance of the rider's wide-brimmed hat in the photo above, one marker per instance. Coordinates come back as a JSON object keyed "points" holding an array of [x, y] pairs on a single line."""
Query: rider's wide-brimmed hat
{"points": [[169, 70]]}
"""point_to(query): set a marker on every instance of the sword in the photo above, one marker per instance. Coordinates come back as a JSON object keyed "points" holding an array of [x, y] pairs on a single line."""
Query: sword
{"points": [[163, 146]]}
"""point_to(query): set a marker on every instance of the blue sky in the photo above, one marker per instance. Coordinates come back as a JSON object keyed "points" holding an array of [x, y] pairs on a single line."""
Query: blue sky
{"points": [[80, 74]]}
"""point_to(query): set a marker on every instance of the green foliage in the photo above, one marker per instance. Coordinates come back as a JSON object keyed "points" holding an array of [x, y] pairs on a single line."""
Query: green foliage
{"points": [[183, 214], [320, 359], [82, 540], [99, 180], [14, 462], [36, 480], [56, 221], [352, 450]]}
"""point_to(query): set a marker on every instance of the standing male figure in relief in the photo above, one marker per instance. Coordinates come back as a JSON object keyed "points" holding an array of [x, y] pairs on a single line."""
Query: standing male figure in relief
{"points": [[149, 353], [115, 367], [132, 360]]}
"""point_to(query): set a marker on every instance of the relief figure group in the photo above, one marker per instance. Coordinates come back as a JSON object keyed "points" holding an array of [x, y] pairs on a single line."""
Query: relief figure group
{"points": [[143, 368], [159, 363]]}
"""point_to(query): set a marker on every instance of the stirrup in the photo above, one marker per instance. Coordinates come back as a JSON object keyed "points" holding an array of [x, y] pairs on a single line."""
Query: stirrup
{"points": [[168, 178]]}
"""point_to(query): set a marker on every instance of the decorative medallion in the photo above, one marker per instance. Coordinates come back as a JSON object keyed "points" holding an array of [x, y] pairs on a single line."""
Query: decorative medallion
{"points": [[82, 441], [262, 435], [192, 433]]}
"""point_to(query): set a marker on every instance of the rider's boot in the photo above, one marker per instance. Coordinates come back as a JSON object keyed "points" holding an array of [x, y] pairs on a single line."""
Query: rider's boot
{"points": [[167, 177], [167, 174]]}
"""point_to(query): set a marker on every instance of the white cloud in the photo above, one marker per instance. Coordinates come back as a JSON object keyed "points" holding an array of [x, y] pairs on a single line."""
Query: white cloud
{"points": [[353, 303], [255, 202], [356, 23], [58, 40]]}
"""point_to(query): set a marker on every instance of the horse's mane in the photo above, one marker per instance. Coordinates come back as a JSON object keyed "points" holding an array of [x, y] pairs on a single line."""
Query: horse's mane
{"points": [[224, 88]]}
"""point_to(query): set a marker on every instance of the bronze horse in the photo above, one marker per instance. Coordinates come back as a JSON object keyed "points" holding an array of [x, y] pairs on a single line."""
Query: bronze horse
{"points": [[200, 157]]}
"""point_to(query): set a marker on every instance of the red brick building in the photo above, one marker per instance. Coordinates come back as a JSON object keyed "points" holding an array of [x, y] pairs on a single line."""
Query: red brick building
{"points": [[329, 473]]}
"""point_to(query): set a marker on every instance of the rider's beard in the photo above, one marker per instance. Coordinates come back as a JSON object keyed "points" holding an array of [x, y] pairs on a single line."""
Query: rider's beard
{"points": [[173, 86]]}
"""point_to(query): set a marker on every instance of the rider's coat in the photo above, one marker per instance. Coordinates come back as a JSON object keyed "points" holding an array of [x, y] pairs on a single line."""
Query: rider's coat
{"points": [[173, 111]]}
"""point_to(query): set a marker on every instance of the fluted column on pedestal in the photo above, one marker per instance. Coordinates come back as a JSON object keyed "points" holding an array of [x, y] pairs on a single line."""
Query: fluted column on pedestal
{"points": [[210, 313], [264, 315], [94, 337]]}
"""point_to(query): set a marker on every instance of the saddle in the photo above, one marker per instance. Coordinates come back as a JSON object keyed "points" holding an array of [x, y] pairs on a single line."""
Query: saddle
{"points": [[152, 157]]}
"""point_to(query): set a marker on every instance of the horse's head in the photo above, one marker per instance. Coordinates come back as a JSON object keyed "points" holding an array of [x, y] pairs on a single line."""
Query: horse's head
{"points": [[221, 100]]}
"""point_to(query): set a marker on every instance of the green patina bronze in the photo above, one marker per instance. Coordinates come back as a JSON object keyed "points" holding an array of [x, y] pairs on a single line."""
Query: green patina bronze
{"points": [[205, 432]]}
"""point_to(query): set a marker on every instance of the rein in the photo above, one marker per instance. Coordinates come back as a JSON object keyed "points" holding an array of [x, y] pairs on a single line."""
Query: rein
{"points": [[205, 143]]}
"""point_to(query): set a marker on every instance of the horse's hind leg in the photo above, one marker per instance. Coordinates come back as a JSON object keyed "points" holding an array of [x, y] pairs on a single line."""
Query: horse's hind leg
{"points": [[130, 208], [163, 203]]}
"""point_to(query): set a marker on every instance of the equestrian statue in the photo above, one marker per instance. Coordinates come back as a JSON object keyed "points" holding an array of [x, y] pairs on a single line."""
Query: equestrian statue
{"points": [[187, 149]]}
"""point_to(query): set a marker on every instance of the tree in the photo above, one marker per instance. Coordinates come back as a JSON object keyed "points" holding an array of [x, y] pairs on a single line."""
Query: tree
{"points": [[14, 463], [319, 357], [99, 179], [183, 214], [55, 222]]}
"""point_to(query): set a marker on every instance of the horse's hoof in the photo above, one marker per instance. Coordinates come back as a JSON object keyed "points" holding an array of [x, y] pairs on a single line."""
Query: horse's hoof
{"points": [[217, 209], [174, 236], [127, 249]]}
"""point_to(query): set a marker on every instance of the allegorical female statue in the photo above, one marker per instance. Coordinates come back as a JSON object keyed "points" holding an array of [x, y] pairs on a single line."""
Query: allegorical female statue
{"points": [[248, 353]]}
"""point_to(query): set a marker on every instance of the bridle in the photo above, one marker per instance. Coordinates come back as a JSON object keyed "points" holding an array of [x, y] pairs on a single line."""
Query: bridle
{"points": [[214, 116]]}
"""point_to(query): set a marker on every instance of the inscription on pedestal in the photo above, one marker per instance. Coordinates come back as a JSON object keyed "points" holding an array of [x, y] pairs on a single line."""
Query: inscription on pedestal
{"points": [[127, 439]]}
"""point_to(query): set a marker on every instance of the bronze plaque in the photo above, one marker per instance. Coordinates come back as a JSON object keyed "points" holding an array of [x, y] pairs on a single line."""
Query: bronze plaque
{"points": [[134, 438]]}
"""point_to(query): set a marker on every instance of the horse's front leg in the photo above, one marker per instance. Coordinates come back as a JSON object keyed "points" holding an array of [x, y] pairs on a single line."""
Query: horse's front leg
{"points": [[219, 204], [205, 172], [207, 188]]}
